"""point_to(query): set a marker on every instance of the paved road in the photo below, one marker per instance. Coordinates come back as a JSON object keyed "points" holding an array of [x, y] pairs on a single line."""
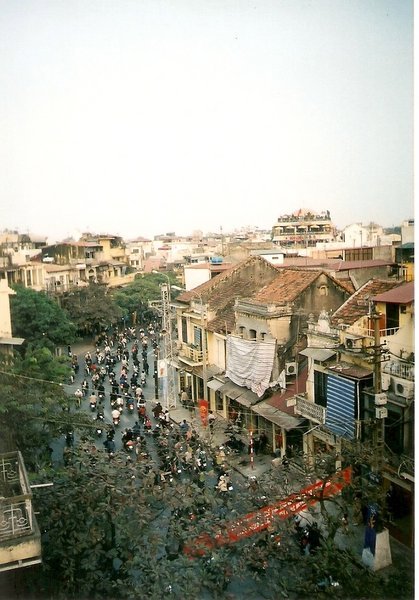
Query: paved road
{"points": [[261, 468]]}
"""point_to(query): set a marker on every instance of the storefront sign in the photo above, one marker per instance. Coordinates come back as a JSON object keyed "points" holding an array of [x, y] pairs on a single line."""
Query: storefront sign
{"points": [[310, 410]]}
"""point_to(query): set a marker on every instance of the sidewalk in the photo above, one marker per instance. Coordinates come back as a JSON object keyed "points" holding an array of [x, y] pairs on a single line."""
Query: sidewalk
{"points": [[239, 462], [402, 556]]}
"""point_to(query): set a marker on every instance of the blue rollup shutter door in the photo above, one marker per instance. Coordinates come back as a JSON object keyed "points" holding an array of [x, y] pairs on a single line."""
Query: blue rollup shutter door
{"points": [[340, 411]]}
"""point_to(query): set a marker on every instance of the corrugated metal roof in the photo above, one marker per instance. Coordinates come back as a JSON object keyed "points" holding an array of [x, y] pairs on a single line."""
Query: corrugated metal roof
{"points": [[298, 386], [270, 413], [350, 370], [403, 294]]}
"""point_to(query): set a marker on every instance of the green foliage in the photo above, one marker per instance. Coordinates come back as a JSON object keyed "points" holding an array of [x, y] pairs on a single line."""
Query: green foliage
{"points": [[133, 299], [39, 319], [92, 308]]}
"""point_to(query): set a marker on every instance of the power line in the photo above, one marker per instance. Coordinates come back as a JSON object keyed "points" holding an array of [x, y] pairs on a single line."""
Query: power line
{"points": [[34, 378]]}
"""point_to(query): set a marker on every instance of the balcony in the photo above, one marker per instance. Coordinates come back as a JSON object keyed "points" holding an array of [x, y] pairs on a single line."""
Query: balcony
{"points": [[399, 369], [20, 539], [191, 354], [309, 410]]}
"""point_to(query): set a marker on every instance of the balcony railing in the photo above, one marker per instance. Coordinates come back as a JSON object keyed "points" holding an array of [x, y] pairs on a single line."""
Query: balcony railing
{"points": [[383, 332], [402, 370], [191, 353], [20, 539]]}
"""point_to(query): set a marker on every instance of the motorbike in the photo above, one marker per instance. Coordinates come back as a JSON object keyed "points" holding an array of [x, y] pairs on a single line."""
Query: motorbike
{"points": [[69, 439], [224, 484], [110, 447], [235, 444], [143, 381], [129, 445], [327, 582]]}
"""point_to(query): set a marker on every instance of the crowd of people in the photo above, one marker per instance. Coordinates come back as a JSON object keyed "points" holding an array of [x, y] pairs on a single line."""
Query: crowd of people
{"points": [[117, 372]]}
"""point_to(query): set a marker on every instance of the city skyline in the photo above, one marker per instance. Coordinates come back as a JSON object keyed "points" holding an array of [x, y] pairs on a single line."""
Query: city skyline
{"points": [[138, 119]]}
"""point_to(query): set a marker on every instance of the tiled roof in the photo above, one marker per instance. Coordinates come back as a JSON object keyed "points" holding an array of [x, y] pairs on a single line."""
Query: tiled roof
{"points": [[348, 285], [289, 284], [402, 294], [224, 321], [220, 293], [357, 305], [224, 288]]}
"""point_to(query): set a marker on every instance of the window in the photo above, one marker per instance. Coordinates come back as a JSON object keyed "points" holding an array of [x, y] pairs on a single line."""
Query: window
{"points": [[262, 335], [241, 331], [197, 337], [324, 290], [320, 388], [219, 405], [252, 334], [184, 330]]}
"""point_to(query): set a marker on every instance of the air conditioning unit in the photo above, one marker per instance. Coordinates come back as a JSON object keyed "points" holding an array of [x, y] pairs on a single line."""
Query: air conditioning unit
{"points": [[380, 412], [385, 381], [403, 388], [291, 368], [354, 343], [380, 399]]}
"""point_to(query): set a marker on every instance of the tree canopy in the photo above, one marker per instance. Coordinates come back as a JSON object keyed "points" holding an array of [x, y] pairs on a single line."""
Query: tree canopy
{"points": [[40, 320], [134, 298], [92, 308]]}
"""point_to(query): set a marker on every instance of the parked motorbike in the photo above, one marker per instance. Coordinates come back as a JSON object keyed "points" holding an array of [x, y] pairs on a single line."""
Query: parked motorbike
{"points": [[235, 444]]}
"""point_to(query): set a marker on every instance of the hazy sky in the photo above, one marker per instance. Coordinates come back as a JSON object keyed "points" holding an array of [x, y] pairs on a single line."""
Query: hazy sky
{"points": [[139, 117]]}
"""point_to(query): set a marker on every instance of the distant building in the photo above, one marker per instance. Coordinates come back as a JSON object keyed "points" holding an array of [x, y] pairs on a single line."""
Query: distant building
{"points": [[303, 229]]}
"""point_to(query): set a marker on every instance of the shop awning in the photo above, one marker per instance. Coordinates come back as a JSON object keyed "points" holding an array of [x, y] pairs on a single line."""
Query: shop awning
{"points": [[231, 390], [240, 394], [270, 413], [12, 341], [214, 384], [248, 398]]}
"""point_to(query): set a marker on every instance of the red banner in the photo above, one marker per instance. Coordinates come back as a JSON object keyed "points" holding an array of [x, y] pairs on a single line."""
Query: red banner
{"points": [[203, 411], [257, 521]]}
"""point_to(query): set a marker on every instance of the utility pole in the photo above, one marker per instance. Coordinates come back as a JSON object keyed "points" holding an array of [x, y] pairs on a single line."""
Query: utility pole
{"points": [[204, 352], [380, 410], [170, 392], [156, 373]]}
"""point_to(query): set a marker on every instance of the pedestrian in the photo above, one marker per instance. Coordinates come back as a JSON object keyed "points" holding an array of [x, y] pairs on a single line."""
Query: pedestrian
{"points": [[78, 394], [184, 427], [184, 397]]}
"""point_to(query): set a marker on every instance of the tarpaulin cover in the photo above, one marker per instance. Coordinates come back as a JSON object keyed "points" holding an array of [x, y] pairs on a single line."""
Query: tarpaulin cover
{"points": [[250, 362]]}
